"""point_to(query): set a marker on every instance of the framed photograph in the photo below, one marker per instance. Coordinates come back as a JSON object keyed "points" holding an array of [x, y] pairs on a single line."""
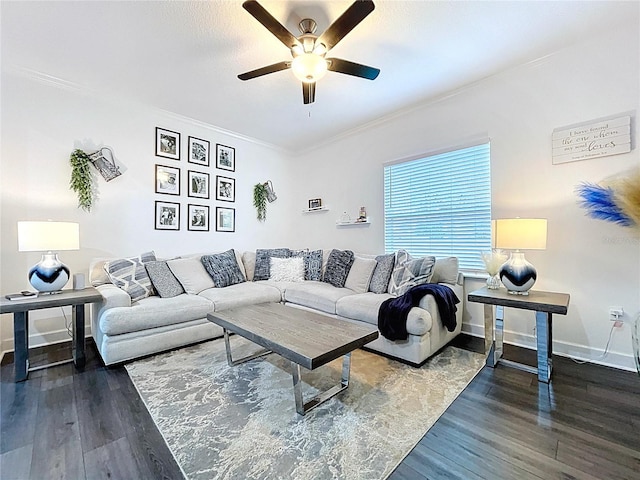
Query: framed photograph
{"points": [[167, 216], [315, 203], [198, 184], [225, 157], [167, 143], [225, 189], [198, 218], [167, 180], [198, 151], [225, 219]]}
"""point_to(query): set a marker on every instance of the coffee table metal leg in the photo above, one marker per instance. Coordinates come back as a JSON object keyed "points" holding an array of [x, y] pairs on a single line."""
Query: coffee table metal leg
{"points": [[301, 406], [230, 360]]}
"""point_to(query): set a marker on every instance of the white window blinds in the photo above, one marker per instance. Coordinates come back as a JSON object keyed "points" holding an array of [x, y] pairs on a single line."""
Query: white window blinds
{"points": [[440, 205]]}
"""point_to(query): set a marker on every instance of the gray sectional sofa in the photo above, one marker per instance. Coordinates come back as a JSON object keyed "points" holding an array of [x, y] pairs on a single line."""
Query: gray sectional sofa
{"points": [[124, 329]]}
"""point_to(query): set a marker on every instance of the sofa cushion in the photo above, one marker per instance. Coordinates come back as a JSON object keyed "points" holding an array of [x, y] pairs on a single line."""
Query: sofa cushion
{"points": [[382, 273], [312, 264], [338, 266], [163, 279], [287, 269], [360, 274], [153, 312], [317, 295], [446, 271], [223, 268], [240, 294], [364, 308], [409, 272], [130, 275], [191, 274], [263, 263], [249, 262]]}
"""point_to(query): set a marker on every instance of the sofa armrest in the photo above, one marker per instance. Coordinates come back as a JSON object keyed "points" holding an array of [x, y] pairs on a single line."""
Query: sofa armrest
{"points": [[113, 296]]}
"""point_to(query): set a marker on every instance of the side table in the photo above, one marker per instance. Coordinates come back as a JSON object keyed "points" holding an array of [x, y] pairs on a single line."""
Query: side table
{"points": [[545, 304], [21, 308]]}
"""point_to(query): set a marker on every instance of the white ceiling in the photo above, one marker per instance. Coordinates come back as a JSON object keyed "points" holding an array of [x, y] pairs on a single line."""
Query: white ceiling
{"points": [[184, 56]]}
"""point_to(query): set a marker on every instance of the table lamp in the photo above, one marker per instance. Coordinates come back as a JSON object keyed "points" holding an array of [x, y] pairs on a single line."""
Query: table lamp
{"points": [[516, 234], [50, 274]]}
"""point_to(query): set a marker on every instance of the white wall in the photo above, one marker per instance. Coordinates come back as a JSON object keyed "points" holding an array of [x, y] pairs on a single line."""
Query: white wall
{"points": [[598, 263], [43, 120]]}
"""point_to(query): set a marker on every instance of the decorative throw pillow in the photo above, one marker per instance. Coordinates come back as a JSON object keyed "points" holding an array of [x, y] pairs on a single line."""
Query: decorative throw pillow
{"points": [[338, 266], [360, 274], [263, 265], [163, 280], [446, 271], [312, 264], [223, 268], [409, 272], [249, 261], [130, 275], [191, 274], [287, 269], [382, 273]]}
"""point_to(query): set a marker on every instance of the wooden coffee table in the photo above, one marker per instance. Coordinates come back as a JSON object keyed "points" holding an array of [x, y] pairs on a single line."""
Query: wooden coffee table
{"points": [[305, 338]]}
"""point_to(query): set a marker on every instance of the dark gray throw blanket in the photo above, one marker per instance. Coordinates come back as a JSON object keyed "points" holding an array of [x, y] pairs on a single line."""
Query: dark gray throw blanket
{"points": [[392, 316]]}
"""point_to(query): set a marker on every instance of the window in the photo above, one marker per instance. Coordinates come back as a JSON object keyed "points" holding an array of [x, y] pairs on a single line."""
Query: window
{"points": [[440, 205]]}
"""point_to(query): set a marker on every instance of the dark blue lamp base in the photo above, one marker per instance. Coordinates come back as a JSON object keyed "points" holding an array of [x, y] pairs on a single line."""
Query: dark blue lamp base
{"points": [[518, 275], [49, 275]]}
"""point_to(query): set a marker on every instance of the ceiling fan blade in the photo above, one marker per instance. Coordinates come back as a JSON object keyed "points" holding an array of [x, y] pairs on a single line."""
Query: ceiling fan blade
{"points": [[273, 25], [276, 67], [308, 92], [351, 68], [345, 23]]}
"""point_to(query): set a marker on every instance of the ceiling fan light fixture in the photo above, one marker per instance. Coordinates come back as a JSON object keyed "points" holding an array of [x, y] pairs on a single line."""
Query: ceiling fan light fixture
{"points": [[309, 67]]}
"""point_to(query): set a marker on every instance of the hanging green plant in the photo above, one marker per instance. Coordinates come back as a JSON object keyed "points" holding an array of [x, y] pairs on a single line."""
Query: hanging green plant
{"points": [[81, 179], [260, 201]]}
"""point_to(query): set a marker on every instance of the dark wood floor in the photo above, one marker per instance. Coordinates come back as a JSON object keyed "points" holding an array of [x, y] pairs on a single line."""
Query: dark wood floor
{"points": [[67, 424]]}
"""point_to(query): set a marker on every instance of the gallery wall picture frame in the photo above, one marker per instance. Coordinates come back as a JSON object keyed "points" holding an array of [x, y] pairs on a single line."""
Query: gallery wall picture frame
{"points": [[225, 157], [225, 189], [315, 203], [198, 184], [198, 218], [167, 216], [225, 219], [167, 180], [198, 151], [167, 143]]}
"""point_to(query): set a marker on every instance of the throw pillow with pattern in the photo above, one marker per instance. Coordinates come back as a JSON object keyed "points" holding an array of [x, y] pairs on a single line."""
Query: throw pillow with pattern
{"points": [[263, 266], [382, 273], [338, 266], [312, 263], [409, 272], [130, 275], [287, 269], [223, 268], [163, 280]]}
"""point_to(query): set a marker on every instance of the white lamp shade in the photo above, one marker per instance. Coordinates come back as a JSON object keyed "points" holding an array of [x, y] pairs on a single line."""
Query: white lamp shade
{"points": [[48, 236], [521, 233]]}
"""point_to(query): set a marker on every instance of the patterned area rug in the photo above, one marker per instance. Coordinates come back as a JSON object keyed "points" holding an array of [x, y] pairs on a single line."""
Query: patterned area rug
{"points": [[240, 422]]}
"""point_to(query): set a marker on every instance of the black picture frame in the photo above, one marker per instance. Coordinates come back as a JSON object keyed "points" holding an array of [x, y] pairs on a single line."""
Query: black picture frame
{"points": [[315, 203], [225, 157], [167, 180], [198, 151], [167, 143], [198, 218], [198, 186], [225, 219], [225, 189], [167, 215]]}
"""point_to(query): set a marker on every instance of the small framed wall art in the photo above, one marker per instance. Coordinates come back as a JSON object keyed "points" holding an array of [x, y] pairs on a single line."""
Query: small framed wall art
{"points": [[225, 157], [198, 184], [315, 203], [167, 216], [167, 180], [167, 144], [198, 218], [225, 219], [225, 189], [198, 151]]}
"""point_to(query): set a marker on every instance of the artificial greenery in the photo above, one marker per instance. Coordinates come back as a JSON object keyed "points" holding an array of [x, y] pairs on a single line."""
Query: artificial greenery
{"points": [[81, 179], [260, 200]]}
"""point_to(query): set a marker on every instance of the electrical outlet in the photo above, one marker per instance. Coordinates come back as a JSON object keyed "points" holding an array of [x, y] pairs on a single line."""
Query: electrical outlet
{"points": [[615, 314]]}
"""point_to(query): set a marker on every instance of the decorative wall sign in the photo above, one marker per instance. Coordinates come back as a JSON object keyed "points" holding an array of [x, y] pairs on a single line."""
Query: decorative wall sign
{"points": [[198, 218], [225, 189], [167, 143], [225, 219], [104, 161], [167, 180], [225, 157], [592, 140], [167, 216], [198, 151], [198, 184]]}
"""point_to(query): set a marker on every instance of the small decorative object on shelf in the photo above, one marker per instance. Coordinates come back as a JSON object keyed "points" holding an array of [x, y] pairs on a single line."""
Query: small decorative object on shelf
{"points": [[493, 260], [345, 218], [315, 203], [362, 216]]}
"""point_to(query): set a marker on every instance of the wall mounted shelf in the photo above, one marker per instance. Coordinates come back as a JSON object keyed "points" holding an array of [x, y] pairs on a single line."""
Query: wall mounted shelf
{"points": [[352, 223], [314, 210]]}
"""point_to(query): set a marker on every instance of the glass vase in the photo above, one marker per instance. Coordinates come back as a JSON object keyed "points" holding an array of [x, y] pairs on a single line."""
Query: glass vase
{"points": [[493, 282]]}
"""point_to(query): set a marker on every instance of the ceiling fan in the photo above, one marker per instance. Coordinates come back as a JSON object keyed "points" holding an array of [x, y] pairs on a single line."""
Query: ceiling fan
{"points": [[308, 50]]}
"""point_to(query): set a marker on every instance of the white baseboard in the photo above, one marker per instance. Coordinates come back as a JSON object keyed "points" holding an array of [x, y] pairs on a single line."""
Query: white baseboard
{"points": [[42, 339], [563, 349]]}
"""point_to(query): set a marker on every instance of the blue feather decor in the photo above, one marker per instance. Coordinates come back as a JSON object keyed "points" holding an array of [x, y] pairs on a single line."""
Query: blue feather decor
{"points": [[600, 203]]}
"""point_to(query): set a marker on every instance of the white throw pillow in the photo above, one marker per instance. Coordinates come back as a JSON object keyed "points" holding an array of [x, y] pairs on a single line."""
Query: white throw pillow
{"points": [[191, 274], [286, 269], [360, 274]]}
